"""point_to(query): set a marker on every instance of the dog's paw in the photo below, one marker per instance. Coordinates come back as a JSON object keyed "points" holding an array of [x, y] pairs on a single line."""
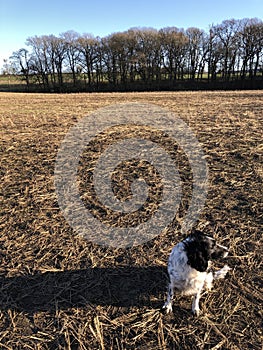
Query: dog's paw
{"points": [[196, 312], [168, 308]]}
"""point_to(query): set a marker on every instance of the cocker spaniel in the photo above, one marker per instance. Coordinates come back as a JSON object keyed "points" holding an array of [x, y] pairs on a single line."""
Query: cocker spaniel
{"points": [[189, 268]]}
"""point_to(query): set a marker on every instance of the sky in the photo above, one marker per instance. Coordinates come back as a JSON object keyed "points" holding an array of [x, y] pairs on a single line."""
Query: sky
{"points": [[20, 19]]}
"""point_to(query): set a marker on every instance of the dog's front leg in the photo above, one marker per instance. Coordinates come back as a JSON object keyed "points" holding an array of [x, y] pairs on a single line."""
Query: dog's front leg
{"points": [[195, 304], [169, 303]]}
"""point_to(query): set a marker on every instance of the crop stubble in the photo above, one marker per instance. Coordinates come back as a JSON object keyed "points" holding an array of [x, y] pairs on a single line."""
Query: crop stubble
{"points": [[59, 291]]}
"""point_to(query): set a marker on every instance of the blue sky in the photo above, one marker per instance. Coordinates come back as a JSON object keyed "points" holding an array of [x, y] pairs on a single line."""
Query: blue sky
{"points": [[20, 19]]}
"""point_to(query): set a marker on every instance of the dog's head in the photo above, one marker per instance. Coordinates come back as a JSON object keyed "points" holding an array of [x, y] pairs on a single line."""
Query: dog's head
{"points": [[201, 248]]}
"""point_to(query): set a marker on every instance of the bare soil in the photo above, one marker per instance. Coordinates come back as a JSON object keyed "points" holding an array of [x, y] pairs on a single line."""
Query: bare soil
{"points": [[60, 291]]}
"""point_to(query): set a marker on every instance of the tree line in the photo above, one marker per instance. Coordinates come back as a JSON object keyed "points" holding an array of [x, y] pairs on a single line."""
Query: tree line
{"points": [[230, 54]]}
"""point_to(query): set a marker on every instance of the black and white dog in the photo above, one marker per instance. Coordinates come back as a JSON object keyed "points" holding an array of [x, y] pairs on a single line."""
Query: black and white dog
{"points": [[189, 268]]}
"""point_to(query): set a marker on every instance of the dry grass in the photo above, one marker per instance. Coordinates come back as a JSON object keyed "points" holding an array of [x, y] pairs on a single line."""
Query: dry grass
{"points": [[59, 291]]}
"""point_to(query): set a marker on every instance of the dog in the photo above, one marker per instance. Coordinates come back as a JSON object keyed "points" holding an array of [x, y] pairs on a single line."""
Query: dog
{"points": [[189, 268]]}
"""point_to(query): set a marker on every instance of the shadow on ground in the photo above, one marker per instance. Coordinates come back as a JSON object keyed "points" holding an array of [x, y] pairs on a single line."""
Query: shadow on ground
{"points": [[50, 291]]}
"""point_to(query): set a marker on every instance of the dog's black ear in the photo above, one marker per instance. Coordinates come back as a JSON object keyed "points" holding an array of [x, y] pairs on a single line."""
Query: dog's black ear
{"points": [[201, 264], [197, 260], [197, 253]]}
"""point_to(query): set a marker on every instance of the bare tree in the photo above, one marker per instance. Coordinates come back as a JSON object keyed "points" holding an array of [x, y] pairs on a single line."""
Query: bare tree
{"points": [[174, 49], [148, 54], [251, 47], [109, 59], [228, 34], [58, 52], [88, 47], [40, 64], [20, 61], [70, 39], [215, 53], [195, 50], [132, 36]]}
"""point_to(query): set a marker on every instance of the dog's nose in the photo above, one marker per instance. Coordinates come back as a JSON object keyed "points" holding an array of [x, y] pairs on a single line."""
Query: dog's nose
{"points": [[220, 251], [223, 249]]}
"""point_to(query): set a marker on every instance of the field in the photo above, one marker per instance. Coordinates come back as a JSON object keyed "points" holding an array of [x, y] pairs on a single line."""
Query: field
{"points": [[60, 291]]}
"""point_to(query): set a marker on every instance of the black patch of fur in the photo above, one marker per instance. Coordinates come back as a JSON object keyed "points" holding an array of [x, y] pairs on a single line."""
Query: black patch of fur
{"points": [[198, 250]]}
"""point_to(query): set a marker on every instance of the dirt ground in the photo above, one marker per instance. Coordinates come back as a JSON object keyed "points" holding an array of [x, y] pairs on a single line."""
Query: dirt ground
{"points": [[60, 291]]}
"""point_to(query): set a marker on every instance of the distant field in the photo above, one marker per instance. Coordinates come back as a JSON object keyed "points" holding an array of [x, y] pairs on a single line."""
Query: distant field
{"points": [[11, 83], [59, 291]]}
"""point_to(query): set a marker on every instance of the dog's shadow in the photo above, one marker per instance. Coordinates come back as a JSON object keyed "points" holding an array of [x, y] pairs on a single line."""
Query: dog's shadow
{"points": [[120, 286]]}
